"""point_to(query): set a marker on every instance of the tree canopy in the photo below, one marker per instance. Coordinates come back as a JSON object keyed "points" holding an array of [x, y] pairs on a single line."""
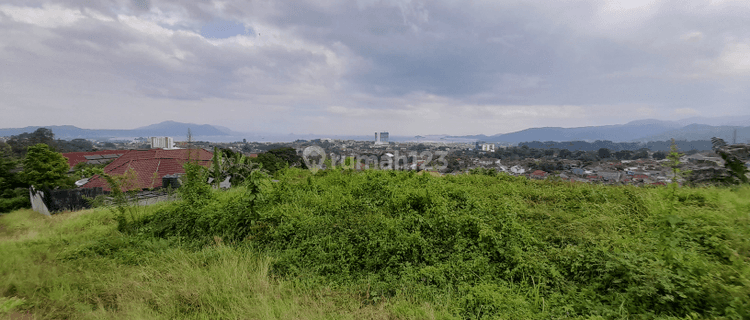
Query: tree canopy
{"points": [[276, 159], [20, 143], [44, 168], [8, 179]]}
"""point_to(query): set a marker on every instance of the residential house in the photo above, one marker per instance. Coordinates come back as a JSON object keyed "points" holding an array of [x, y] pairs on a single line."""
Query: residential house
{"points": [[148, 167], [92, 157], [538, 174]]}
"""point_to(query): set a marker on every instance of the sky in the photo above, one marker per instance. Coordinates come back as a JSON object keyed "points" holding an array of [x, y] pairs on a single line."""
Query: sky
{"points": [[359, 66]]}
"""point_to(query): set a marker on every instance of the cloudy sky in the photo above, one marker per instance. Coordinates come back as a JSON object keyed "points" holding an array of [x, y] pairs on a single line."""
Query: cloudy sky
{"points": [[359, 66]]}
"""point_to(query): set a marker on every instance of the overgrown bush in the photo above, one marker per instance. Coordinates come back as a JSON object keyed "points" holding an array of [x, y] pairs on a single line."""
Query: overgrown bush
{"points": [[488, 245], [13, 199], [203, 214]]}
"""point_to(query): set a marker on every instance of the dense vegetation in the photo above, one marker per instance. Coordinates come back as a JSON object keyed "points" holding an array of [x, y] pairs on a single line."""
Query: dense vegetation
{"points": [[13, 192], [386, 244], [33, 159]]}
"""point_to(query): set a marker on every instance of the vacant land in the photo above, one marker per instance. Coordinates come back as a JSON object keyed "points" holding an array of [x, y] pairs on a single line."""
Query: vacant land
{"points": [[387, 245]]}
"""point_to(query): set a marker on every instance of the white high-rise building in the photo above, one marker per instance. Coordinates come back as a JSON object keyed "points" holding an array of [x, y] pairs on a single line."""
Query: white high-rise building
{"points": [[381, 137], [161, 142]]}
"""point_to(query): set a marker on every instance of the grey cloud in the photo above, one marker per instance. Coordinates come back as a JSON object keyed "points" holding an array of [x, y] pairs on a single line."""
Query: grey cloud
{"points": [[206, 70], [453, 52], [369, 54]]}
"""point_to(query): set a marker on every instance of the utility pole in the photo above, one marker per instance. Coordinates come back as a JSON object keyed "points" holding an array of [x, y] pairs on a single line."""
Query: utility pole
{"points": [[734, 137]]}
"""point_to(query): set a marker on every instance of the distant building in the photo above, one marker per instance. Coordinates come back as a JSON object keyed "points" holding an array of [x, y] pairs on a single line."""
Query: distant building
{"points": [[490, 147], [381, 137], [161, 143], [538, 174], [517, 169]]}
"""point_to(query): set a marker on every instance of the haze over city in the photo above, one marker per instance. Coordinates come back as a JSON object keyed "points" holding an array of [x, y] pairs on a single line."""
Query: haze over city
{"points": [[356, 67]]}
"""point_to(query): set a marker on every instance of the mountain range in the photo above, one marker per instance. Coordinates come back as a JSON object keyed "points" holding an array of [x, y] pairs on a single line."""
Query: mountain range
{"points": [[635, 131], [166, 128]]}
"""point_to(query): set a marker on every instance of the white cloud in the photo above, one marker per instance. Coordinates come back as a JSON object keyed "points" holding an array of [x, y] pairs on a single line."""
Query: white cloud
{"points": [[735, 59], [149, 28], [97, 15], [732, 62], [178, 16], [48, 16], [692, 36]]}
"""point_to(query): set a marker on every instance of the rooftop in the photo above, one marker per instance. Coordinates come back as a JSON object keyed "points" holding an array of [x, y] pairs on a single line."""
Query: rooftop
{"points": [[150, 166]]}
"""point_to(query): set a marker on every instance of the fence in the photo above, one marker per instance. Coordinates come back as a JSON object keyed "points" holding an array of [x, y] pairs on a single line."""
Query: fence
{"points": [[52, 201]]}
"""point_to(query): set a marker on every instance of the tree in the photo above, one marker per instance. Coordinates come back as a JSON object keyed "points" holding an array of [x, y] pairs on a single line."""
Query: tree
{"points": [[12, 193], [290, 156], [216, 172], [269, 162], [277, 159], [564, 153], [640, 154], [604, 153], [44, 168], [21, 142], [623, 154], [674, 160], [75, 145], [8, 179], [659, 155]]}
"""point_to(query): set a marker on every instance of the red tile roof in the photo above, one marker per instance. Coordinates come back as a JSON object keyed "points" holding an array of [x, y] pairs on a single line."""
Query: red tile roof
{"points": [[76, 157], [538, 173], [150, 166]]}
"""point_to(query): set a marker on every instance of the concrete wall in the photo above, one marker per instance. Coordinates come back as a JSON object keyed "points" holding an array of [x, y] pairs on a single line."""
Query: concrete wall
{"points": [[37, 204]]}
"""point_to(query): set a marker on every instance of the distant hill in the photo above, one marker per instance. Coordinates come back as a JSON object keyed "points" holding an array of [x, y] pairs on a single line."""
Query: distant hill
{"points": [[179, 129], [617, 133], [695, 128], [741, 121], [634, 131], [173, 129], [701, 132]]}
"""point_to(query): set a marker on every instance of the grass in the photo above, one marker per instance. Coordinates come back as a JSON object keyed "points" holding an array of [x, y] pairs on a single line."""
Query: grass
{"points": [[76, 265], [382, 245]]}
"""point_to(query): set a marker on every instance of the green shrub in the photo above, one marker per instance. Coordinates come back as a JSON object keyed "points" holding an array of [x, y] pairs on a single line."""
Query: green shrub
{"points": [[488, 245], [14, 199]]}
